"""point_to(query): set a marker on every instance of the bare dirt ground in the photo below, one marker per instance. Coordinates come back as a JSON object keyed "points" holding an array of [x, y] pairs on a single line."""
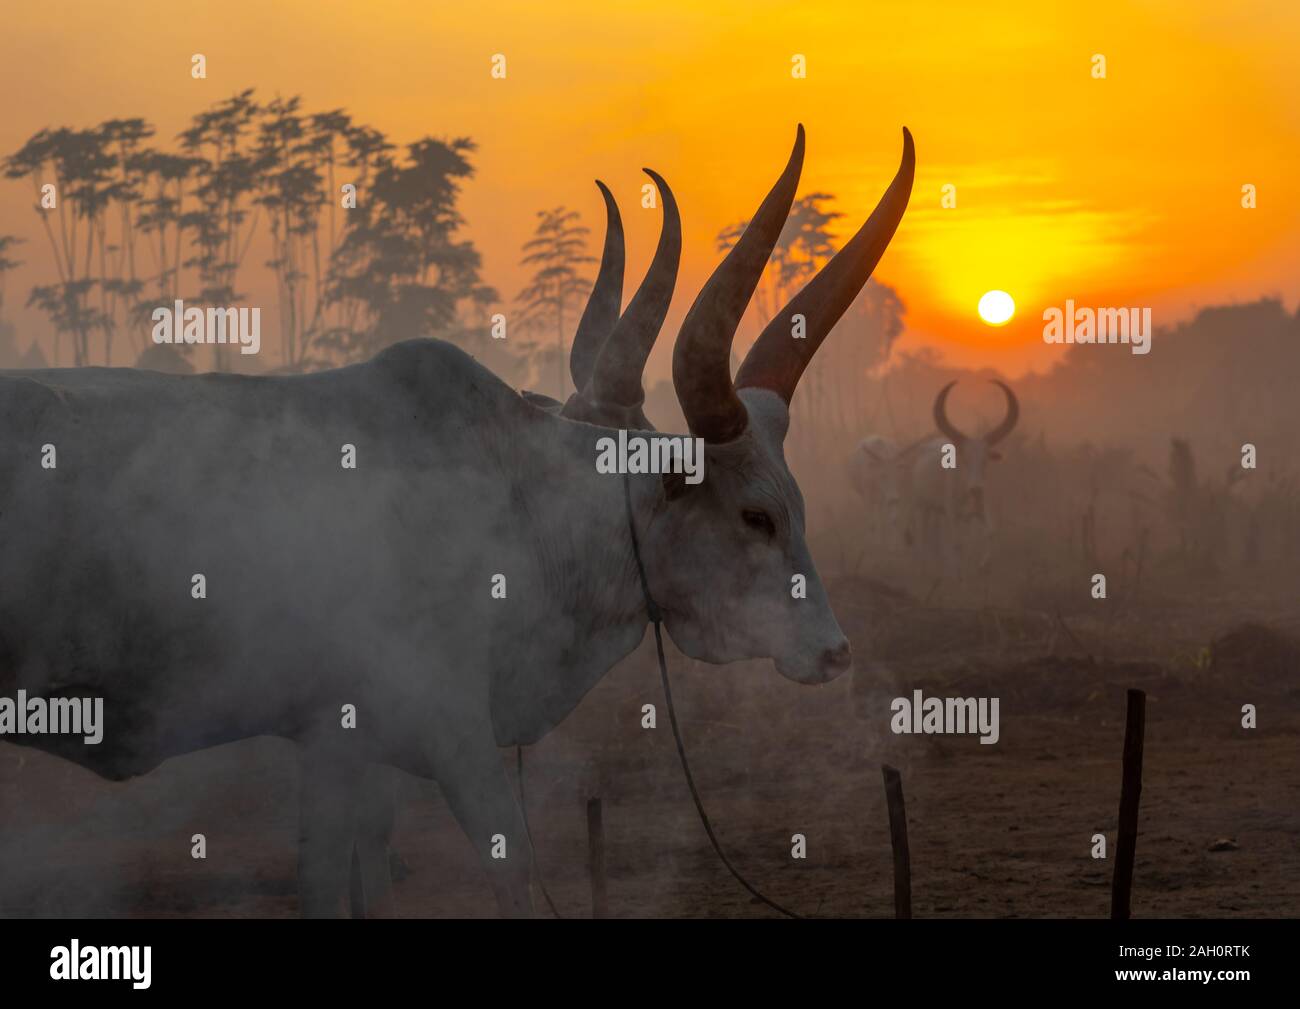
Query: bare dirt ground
{"points": [[1002, 831]]}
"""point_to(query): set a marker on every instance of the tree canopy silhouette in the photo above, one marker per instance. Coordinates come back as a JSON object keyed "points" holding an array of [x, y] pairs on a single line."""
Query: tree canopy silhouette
{"points": [[557, 249], [347, 281]]}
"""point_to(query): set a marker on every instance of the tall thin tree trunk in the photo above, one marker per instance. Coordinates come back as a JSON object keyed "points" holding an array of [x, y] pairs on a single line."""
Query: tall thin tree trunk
{"points": [[559, 345]]}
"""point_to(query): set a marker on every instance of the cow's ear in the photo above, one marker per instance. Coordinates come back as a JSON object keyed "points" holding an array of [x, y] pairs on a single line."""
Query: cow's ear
{"points": [[675, 485], [995, 455]]}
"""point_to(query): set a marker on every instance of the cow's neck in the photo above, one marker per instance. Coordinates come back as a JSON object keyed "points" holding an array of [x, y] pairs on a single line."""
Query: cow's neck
{"points": [[590, 610]]}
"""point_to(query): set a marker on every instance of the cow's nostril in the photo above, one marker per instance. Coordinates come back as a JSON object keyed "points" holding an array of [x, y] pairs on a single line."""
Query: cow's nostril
{"points": [[836, 660]]}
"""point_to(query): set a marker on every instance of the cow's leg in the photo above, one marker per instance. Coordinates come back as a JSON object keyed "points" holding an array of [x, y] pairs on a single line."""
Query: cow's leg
{"points": [[932, 521], [986, 553], [330, 792], [951, 546], [372, 881], [473, 779]]}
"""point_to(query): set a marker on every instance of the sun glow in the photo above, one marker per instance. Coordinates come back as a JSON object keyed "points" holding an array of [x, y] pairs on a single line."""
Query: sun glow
{"points": [[996, 308]]}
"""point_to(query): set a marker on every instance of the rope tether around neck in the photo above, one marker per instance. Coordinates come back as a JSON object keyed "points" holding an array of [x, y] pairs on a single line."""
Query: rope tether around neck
{"points": [[656, 617]]}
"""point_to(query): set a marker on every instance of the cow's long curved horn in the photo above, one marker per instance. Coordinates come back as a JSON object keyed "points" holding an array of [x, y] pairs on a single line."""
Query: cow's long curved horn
{"points": [[941, 421], [777, 359], [702, 354], [1009, 421], [616, 377], [601, 314]]}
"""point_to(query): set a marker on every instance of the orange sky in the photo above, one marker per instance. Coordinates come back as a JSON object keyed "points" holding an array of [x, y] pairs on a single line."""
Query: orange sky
{"points": [[1116, 192]]}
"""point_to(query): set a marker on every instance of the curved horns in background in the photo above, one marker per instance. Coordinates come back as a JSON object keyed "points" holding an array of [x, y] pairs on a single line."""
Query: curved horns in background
{"points": [[1009, 421], [777, 360], [601, 314], [702, 354], [993, 437], [941, 414], [616, 377]]}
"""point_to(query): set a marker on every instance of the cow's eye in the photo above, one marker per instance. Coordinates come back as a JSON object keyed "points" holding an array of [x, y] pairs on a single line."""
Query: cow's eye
{"points": [[759, 520]]}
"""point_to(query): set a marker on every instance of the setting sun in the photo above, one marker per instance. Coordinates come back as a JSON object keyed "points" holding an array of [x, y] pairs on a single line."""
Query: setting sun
{"points": [[996, 308]]}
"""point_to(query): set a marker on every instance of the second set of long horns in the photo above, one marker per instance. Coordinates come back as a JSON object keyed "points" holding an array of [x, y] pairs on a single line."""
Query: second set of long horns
{"points": [[610, 350]]}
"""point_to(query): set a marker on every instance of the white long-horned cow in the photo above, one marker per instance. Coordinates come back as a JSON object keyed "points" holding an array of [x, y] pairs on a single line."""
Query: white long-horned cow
{"points": [[374, 586], [948, 509]]}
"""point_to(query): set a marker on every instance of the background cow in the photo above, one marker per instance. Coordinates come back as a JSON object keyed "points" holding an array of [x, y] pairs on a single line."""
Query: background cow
{"points": [[874, 474], [947, 507]]}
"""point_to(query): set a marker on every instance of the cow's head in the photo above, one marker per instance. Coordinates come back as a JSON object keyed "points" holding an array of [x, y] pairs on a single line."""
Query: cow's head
{"points": [[974, 453], [878, 468], [727, 558]]}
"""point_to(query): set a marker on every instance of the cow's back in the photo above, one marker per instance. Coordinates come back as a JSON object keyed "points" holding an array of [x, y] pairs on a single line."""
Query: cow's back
{"points": [[118, 488]]}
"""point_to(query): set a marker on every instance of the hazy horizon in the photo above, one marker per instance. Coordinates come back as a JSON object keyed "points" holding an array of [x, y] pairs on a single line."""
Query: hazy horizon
{"points": [[1066, 187]]}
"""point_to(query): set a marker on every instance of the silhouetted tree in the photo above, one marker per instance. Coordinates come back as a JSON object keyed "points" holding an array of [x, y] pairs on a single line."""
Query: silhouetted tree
{"points": [[831, 393], [77, 164], [557, 249], [226, 175], [7, 264], [400, 271], [119, 286], [161, 209], [290, 194], [393, 268], [803, 245]]}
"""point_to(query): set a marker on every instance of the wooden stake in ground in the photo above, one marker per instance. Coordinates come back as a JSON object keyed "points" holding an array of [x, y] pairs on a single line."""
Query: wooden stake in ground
{"points": [[1130, 794], [898, 838], [596, 848]]}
